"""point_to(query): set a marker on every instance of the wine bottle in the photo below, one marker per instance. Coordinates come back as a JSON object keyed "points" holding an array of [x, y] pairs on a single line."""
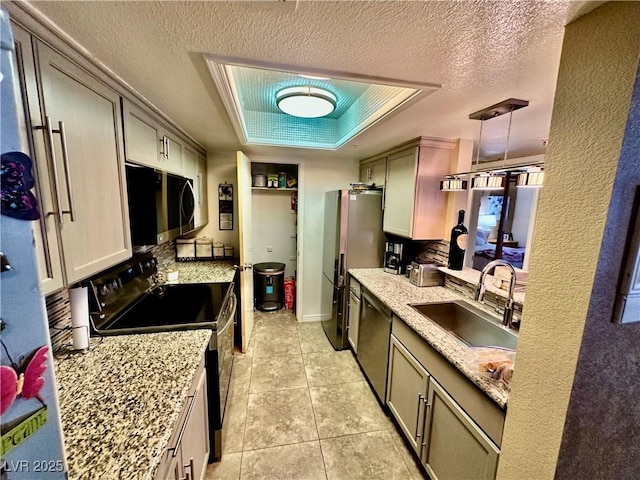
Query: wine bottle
{"points": [[458, 243]]}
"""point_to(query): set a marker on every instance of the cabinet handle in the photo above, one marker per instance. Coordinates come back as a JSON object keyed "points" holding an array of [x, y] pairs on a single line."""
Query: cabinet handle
{"points": [[418, 435], [67, 170], [427, 406], [166, 148], [48, 133], [184, 424], [190, 475]]}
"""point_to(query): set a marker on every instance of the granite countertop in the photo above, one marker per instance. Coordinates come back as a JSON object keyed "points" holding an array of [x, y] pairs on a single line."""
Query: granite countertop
{"points": [[204, 272], [120, 401], [396, 292]]}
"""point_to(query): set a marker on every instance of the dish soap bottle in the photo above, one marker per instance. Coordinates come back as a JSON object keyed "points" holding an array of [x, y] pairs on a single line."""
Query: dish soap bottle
{"points": [[458, 243]]}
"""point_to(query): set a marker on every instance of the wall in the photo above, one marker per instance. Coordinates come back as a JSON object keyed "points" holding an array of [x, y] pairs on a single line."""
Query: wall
{"points": [[597, 73], [315, 178], [274, 223]]}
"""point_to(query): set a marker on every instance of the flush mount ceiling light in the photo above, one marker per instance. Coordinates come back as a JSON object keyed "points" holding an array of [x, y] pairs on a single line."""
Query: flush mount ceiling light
{"points": [[306, 101]]}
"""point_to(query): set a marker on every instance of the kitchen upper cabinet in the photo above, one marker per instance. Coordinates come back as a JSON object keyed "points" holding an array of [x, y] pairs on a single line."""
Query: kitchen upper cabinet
{"points": [[142, 135], [455, 446], [46, 230], [75, 140], [148, 142], [189, 160], [202, 208], [415, 207], [172, 152], [374, 171]]}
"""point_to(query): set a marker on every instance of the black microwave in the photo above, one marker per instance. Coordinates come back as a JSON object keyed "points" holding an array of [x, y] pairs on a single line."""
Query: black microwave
{"points": [[161, 205]]}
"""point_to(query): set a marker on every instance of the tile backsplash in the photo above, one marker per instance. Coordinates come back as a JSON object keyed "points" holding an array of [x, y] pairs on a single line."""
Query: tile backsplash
{"points": [[432, 251]]}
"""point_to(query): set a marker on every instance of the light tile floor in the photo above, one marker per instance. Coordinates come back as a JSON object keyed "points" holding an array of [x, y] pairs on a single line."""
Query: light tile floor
{"points": [[299, 410]]}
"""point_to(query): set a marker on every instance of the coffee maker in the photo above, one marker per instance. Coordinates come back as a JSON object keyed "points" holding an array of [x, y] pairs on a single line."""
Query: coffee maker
{"points": [[393, 257]]}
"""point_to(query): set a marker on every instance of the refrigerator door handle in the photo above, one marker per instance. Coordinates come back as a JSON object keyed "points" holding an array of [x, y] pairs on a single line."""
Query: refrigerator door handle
{"points": [[340, 271]]}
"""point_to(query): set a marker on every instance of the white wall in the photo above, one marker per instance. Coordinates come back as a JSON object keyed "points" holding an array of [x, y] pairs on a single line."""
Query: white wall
{"points": [[274, 227], [320, 176], [221, 168]]}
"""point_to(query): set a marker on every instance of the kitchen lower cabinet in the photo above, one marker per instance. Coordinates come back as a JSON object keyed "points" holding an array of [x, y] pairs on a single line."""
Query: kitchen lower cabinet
{"points": [[454, 428], [76, 144], [407, 387], [455, 447], [353, 328], [188, 451]]}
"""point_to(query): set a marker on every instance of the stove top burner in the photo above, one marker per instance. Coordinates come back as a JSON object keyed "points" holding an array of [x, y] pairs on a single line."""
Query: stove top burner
{"points": [[124, 301]]}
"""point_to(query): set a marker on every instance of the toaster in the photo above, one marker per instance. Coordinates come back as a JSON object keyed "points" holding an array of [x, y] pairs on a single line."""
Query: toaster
{"points": [[425, 275]]}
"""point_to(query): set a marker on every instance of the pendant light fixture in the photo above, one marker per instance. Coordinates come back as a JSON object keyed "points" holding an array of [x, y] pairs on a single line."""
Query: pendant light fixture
{"points": [[453, 183], [494, 181], [306, 101]]}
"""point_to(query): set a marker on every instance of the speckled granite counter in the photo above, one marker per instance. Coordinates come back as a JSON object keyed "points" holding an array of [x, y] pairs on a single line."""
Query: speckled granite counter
{"points": [[205, 272], [396, 292], [120, 401]]}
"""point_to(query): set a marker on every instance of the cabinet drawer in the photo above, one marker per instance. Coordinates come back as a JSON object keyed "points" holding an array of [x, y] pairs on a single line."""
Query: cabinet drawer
{"points": [[483, 410]]}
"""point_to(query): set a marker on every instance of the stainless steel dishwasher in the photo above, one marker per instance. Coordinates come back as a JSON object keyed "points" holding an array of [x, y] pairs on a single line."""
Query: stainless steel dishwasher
{"points": [[373, 342]]}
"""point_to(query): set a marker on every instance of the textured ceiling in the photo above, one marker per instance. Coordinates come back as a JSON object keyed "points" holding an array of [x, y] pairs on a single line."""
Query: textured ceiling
{"points": [[481, 52]]}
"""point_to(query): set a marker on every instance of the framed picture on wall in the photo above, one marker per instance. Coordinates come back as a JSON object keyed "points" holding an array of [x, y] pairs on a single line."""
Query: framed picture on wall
{"points": [[225, 206]]}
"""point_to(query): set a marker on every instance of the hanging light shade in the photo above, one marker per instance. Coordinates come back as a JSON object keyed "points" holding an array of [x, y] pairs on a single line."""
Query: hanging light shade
{"points": [[453, 184], [488, 182], [532, 178], [306, 101]]}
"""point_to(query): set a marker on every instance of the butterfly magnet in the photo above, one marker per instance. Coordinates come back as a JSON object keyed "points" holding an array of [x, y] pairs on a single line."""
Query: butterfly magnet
{"points": [[16, 199], [27, 384]]}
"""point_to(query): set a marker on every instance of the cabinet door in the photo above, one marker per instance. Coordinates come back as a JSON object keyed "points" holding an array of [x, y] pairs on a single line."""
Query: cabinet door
{"points": [[400, 193], [407, 392], [45, 230], [87, 160], [173, 151], [456, 447], [141, 136], [195, 443], [189, 163], [374, 172], [202, 209], [354, 321]]}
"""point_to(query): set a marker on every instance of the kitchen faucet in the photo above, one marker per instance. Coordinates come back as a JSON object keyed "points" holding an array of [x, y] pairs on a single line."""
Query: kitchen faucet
{"points": [[507, 314]]}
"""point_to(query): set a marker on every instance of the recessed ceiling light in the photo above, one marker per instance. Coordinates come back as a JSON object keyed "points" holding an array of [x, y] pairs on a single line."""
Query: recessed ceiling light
{"points": [[306, 101]]}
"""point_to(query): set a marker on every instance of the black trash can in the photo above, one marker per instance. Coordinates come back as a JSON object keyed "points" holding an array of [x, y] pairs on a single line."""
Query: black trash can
{"points": [[268, 286]]}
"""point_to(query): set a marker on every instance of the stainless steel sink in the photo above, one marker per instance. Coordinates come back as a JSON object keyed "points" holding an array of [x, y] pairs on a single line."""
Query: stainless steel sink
{"points": [[468, 324]]}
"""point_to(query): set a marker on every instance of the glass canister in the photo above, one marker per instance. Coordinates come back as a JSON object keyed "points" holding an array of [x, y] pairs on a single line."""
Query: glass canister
{"points": [[228, 251]]}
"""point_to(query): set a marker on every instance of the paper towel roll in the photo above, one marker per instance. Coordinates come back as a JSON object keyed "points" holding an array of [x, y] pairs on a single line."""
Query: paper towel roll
{"points": [[79, 301]]}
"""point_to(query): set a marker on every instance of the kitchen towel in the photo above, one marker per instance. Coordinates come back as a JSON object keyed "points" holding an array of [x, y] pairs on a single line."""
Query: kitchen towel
{"points": [[79, 301]]}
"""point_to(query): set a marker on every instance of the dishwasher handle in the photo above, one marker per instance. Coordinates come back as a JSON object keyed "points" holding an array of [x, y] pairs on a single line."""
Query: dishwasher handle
{"points": [[375, 303]]}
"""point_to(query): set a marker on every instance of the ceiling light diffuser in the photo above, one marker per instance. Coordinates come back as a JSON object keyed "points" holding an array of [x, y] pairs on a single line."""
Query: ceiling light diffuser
{"points": [[306, 101]]}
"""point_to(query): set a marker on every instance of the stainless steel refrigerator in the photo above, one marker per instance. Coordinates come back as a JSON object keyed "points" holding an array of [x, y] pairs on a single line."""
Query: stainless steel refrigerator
{"points": [[353, 238]]}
